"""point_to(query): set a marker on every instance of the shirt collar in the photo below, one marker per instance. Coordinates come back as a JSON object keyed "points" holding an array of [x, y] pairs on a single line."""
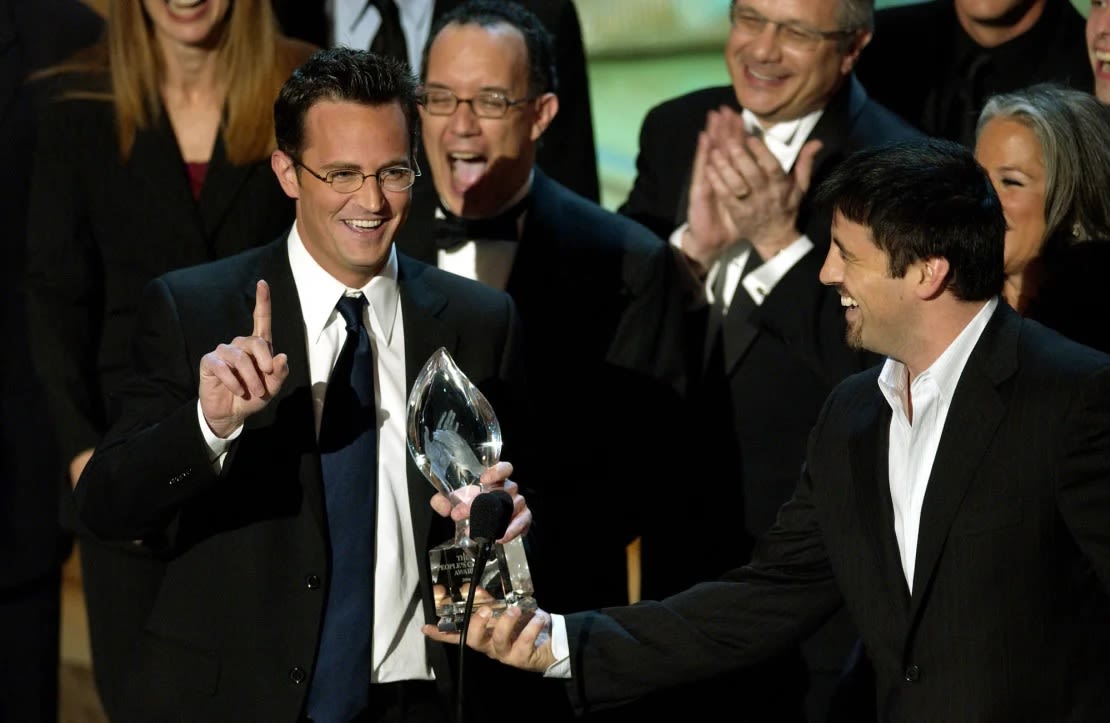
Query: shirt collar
{"points": [[946, 370], [784, 139], [319, 291]]}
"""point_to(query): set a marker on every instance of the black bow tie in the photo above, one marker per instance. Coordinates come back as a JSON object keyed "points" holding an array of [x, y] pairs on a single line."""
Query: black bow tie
{"points": [[451, 230]]}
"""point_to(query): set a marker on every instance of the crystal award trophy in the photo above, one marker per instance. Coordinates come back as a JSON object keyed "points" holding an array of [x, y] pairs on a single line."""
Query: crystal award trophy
{"points": [[453, 436]]}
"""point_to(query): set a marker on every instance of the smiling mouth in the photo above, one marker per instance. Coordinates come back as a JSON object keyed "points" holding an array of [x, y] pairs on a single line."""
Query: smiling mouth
{"points": [[764, 76], [1103, 58], [848, 302], [184, 4], [368, 224]]}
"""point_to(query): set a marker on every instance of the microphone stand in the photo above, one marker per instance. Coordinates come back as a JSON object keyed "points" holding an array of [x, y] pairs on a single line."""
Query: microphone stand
{"points": [[490, 514], [484, 550]]}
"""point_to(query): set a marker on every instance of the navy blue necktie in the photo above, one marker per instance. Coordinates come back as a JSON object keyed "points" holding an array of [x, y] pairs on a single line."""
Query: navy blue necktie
{"points": [[349, 460]]}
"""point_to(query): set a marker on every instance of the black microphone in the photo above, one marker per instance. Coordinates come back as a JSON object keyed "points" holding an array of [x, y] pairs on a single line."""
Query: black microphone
{"points": [[490, 514]]}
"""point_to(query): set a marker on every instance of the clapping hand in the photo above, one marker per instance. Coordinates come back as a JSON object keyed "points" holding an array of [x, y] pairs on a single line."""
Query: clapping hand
{"points": [[240, 378], [738, 191]]}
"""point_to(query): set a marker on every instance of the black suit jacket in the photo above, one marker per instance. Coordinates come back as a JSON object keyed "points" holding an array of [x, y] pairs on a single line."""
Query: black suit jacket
{"points": [[593, 290], [100, 229], [1007, 619], [234, 628], [33, 35], [567, 152], [906, 65]]}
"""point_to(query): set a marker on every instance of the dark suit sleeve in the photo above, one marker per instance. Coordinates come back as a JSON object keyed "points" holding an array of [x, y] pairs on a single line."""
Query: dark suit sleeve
{"points": [[568, 151], [154, 458], [1083, 473], [652, 200], [748, 615], [63, 291]]}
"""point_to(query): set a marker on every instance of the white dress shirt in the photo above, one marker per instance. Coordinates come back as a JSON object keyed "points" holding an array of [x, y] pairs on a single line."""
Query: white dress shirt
{"points": [[354, 25], [398, 649], [913, 443], [785, 141]]}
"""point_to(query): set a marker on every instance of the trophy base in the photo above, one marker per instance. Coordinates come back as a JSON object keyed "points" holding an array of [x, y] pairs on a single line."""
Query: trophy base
{"points": [[506, 580], [451, 616]]}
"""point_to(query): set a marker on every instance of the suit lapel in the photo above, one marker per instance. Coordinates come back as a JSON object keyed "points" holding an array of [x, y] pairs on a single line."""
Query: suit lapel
{"points": [[156, 155], [540, 228], [976, 411], [738, 331], [868, 458], [222, 183], [835, 124], [425, 331], [291, 412]]}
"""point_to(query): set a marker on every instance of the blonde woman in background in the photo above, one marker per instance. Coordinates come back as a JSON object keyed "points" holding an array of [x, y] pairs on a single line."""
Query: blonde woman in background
{"points": [[153, 154]]}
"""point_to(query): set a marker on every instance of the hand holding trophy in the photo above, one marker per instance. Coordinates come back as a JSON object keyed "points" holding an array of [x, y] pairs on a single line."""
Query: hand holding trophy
{"points": [[453, 436]]}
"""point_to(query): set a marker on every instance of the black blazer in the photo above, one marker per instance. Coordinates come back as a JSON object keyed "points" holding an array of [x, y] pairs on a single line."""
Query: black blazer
{"points": [[234, 628], [100, 229], [594, 290], [1007, 620], [568, 151], [919, 40], [33, 35]]}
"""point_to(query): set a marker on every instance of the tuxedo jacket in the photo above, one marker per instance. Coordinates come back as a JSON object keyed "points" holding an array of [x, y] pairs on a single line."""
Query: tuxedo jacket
{"points": [[593, 289], [750, 409], [1007, 616], [919, 40], [235, 624], [568, 151]]}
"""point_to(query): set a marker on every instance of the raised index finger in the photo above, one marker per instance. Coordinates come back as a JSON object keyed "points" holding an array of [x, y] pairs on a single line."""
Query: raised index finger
{"points": [[262, 314]]}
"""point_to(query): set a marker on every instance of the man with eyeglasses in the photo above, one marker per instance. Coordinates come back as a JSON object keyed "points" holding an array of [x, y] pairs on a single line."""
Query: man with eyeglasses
{"points": [[936, 63], [726, 174], [591, 287], [262, 437], [402, 27]]}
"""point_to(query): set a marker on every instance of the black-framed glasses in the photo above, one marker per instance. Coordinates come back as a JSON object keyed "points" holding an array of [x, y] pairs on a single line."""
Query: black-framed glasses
{"points": [[349, 180], [791, 35], [486, 104]]}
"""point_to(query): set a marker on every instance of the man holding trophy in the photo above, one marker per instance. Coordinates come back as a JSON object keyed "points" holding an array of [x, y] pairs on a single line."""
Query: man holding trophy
{"points": [[260, 447]]}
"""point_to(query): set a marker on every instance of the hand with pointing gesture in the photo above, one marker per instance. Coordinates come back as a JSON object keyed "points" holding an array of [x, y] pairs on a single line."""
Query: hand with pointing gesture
{"points": [[240, 378]]}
